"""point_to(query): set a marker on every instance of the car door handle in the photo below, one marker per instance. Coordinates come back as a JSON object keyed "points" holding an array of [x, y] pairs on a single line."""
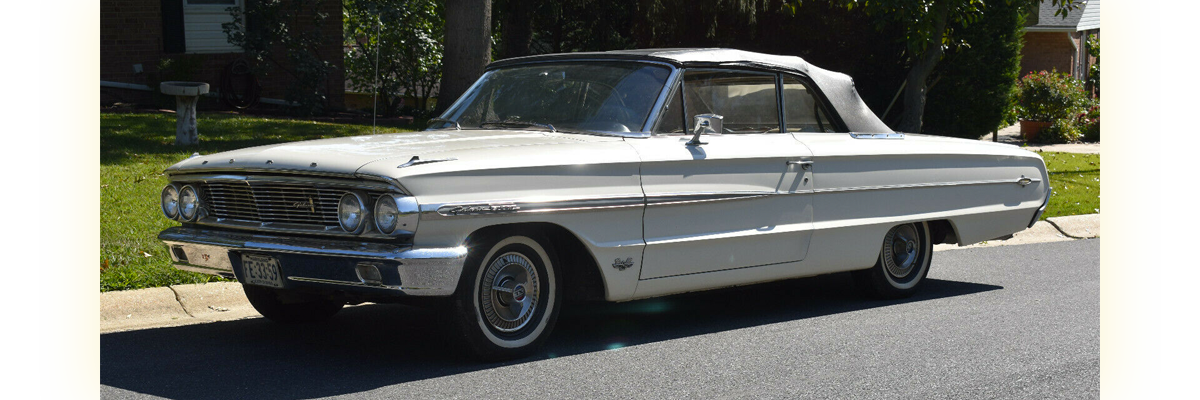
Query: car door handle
{"points": [[806, 165]]}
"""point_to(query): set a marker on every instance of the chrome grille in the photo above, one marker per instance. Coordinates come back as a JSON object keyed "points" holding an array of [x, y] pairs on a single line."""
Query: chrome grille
{"points": [[274, 202]]}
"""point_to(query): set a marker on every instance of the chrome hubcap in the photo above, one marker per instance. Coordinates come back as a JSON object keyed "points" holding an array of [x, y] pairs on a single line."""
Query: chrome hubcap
{"points": [[902, 247], [509, 292]]}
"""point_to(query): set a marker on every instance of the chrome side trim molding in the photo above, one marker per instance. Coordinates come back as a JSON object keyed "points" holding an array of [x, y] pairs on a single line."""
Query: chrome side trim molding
{"points": [[684, 198], [510, 206], [896, 135], [927, 185], [584, 204]]}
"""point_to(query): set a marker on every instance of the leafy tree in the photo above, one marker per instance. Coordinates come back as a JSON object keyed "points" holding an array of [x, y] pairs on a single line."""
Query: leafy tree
{"points": [[286, 35], [395, 46], [973, 90], [929, 28], [528, 27]]}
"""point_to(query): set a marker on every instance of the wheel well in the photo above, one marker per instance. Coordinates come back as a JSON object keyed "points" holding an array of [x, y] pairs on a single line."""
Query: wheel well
{"points": [[581, 275], [942, 231]]}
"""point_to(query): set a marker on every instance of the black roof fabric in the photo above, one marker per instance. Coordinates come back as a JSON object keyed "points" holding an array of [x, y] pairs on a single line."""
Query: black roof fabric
{"points": [[837, 87]]}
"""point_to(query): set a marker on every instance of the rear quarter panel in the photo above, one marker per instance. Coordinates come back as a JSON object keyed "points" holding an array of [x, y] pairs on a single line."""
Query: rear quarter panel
{"points": [[863, 187]]}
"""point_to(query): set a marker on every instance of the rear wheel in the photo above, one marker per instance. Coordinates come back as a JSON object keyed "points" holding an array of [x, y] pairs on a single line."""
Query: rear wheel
{"points": [[508, 297], [903, 263], [289, 307]]}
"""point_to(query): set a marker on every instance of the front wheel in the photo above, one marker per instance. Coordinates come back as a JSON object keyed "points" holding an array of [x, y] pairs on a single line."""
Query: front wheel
{"points": [[508, 297], [902, 265]]}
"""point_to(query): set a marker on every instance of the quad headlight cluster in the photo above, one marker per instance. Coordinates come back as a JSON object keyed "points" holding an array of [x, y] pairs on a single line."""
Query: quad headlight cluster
{"points": [[391, 214], [180, 203]]}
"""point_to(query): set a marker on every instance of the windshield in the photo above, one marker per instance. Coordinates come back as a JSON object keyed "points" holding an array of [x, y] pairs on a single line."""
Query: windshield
{"points": [[581, 96]]}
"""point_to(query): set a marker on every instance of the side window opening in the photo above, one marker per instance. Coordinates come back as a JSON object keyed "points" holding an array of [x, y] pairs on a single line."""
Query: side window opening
{"points": [[747, 100], [802, 110], [671, 121]]}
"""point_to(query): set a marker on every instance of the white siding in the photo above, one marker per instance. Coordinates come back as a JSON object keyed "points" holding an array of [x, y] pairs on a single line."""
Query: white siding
{"points": [[1091, 16], [202, 30]]}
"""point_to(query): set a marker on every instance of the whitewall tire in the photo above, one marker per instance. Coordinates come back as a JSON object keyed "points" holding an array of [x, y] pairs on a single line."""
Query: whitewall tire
{"points": [[508, 299], [903, 263]]}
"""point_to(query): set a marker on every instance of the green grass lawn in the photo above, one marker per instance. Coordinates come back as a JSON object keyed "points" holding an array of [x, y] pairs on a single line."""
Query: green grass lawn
{"points": [[1076, 182], [134, 150]]}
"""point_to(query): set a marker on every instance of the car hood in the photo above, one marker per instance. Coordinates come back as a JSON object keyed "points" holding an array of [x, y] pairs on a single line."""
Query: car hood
{"points": [[347, 155]]}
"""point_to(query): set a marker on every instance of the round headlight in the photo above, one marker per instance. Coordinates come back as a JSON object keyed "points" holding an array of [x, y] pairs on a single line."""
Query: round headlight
{"points": [[189, 203], [170, 201], [396, 215], [351, 212]]}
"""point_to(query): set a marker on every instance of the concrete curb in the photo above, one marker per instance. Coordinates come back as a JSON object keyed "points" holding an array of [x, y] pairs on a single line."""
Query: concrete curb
{"points": [[173, 306], [225, 301]]}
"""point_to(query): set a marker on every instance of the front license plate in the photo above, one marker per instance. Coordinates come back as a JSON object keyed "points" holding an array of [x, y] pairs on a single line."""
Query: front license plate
{"points": [[261, 270]]}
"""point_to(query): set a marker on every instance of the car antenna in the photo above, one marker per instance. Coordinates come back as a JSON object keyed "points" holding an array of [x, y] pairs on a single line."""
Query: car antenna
{"points": [[375, 95]]}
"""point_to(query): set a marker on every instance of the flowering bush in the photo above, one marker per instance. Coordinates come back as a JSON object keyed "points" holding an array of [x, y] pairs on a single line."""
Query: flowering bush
{"points": [[1090, 124], [1050, 96], [1062, 131]]}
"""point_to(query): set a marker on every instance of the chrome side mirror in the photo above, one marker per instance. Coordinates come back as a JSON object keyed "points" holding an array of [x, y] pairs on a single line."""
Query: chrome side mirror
{"points": [[705, 124]]}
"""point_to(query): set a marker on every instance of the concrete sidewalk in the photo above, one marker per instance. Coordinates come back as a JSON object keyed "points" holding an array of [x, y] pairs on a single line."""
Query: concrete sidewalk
{"points": [[1012, 135], [224, 301]]}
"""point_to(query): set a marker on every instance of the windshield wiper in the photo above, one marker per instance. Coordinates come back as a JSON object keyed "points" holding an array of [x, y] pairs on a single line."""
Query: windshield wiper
{"points": [[457, 127], [511, 123]]}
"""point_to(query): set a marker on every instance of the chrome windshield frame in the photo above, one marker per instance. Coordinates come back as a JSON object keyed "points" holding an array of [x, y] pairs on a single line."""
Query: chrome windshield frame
{"points": [[647, 125]]}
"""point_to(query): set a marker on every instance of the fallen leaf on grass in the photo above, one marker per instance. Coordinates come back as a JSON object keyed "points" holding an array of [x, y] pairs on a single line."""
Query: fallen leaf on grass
{"points": [[103, 265]]}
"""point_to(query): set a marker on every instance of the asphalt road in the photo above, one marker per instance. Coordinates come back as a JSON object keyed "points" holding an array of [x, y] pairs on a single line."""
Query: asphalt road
{"points": [[1006, 322]]}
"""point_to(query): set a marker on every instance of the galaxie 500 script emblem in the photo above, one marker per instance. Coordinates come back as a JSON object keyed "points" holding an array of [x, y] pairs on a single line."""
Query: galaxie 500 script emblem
{"points": [[468, 209], [306, 204]]}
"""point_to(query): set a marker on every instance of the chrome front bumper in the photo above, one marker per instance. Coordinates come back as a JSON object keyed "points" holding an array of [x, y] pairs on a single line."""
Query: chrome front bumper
{"points": [[320, 263]]}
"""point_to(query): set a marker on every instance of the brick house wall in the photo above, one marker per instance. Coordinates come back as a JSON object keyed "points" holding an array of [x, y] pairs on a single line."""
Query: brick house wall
{"points": [[131, 32], [1064, 51], [1047, 51]]}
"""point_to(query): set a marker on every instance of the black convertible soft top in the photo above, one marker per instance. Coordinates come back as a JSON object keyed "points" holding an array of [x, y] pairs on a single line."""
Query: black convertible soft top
{"points": [[837, 87]]}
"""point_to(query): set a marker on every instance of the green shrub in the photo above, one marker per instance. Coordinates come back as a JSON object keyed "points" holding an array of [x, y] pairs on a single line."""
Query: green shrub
{"points": [[977, 88], [1064, 130], [1090, 124], [1051, 96]]}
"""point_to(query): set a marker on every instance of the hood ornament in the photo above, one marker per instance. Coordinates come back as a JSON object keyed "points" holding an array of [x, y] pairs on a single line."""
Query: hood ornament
{"points": [[416, 160]]}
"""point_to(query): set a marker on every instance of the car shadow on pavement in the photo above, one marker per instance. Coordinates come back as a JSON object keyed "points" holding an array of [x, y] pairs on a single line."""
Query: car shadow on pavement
{"points": [[373, 346]]}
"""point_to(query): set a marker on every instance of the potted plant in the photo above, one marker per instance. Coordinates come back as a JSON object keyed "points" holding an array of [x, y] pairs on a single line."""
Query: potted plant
{"points": [[1044, 97]]}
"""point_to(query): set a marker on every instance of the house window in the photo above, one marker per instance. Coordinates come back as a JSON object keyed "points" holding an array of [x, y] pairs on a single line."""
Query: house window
{"points": [[202, 21]]}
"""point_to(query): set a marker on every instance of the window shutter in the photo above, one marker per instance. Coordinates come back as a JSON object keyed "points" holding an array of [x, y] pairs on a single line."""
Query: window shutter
{"points": [[172, 26]]}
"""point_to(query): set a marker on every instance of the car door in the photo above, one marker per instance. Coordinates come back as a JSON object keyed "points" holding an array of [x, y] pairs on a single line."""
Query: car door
{"points": [[741, 198]]}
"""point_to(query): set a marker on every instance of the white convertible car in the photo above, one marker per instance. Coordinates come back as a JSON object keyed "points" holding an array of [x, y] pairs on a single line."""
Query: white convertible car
{"points": [[616, 176]]}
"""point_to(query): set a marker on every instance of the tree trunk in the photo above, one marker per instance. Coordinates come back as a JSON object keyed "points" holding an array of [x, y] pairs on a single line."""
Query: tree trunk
{"points": [[918, 77], [517, 29], [468, 48]]}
